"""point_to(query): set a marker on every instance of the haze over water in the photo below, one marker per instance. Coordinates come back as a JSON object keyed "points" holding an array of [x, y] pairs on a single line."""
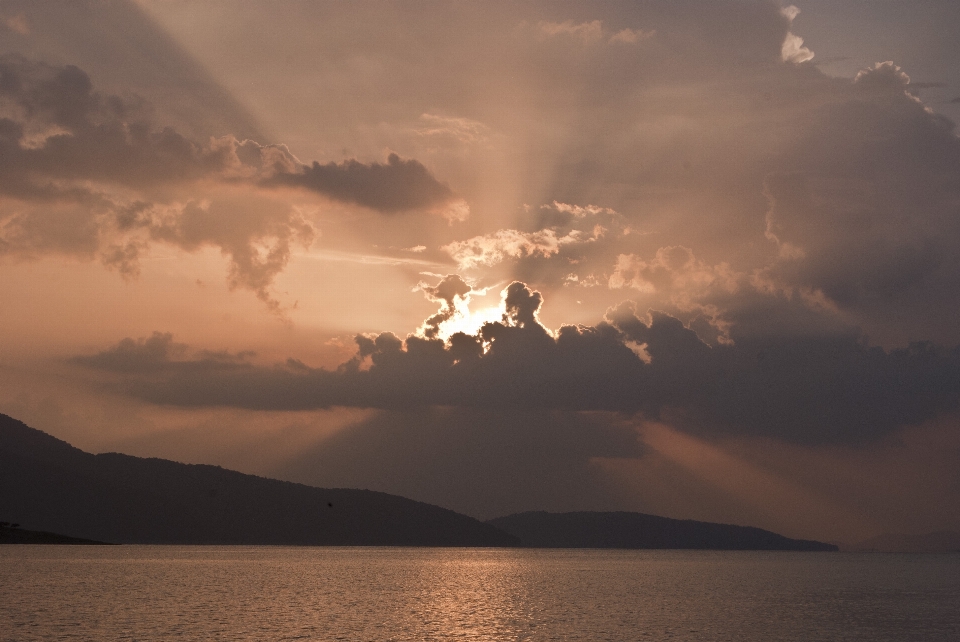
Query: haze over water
{"points": [[271, 593]]}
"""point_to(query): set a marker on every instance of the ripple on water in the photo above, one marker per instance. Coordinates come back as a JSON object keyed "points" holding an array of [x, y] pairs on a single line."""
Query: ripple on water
{"points": [[149, 593]]}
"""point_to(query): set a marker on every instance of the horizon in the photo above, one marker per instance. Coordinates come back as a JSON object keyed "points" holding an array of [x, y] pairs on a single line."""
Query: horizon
{"points": [[545, 534], [698, 261]]}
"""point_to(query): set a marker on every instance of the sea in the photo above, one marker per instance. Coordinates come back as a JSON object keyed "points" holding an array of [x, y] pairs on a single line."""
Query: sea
{"points": [[151, 593]]}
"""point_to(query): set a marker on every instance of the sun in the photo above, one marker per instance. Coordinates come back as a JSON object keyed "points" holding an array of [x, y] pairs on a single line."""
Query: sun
{"points": [[466, 320]]}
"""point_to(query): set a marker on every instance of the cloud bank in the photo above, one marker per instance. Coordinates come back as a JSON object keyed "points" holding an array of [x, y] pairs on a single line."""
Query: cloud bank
{"points": [[808, 389]]}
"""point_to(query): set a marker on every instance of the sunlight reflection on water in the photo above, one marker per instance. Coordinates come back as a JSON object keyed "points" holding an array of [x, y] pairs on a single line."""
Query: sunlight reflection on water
{"points": [[152, 593]]}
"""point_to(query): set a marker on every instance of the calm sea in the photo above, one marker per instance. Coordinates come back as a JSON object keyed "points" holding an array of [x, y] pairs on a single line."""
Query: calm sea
{"points": [[270, 593]]}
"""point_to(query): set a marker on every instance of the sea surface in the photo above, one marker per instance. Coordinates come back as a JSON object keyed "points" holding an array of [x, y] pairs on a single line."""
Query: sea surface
{"points": [[205, 593]]}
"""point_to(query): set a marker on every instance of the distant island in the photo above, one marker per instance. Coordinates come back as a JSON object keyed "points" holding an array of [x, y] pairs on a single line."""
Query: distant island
{"points": [[637, 530], [51, 487]]}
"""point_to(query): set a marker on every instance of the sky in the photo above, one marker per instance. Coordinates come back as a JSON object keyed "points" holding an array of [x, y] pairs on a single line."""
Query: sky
{"points": [[696, 259]]}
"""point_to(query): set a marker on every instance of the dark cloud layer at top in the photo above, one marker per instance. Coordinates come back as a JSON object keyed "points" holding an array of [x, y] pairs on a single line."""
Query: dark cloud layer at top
{"points": [[811, 389], [58, 127]]}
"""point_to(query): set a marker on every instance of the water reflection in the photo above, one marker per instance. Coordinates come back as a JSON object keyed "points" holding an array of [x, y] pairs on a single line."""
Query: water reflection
{"points": [[267, 593], [472, 594]]}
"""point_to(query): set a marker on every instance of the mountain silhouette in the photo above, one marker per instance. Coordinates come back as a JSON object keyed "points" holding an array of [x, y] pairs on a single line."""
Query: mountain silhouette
{"points": [[637, 530], [48, 485]]}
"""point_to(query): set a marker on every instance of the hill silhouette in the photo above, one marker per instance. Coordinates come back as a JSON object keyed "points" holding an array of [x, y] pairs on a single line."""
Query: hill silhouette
{"points": [[637, 530], [48, 485]]}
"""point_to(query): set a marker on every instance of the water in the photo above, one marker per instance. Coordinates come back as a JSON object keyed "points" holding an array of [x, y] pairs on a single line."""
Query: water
{"points": [[152, 593]]}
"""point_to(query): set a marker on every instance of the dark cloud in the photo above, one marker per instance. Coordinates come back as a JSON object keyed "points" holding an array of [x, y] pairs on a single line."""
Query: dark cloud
{"points": [[58, 127], [817, 388], [157, 353], [149, 354], [125, 258], [397, 186], [869, 213]]}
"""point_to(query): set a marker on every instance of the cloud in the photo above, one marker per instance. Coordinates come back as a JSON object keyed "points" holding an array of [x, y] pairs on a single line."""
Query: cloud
{"points": [[807, 389], [562, 226], [142, 355], [586, 31], [17, 23], [90, 174], [490, 249], [397, 186], [840, 190], [685, 284], [258, 236], [591, 32], [56, 127], [578, 211], [463, 130], [155, 353], [867, 213], [125, 258], [452, 293], [882, 76], [793, 49], [631, 36], [673, 269], [814, 389]]}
